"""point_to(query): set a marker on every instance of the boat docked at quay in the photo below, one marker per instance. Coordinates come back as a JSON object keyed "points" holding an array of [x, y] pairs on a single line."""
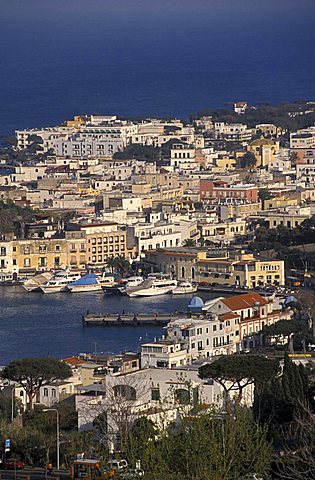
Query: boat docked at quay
{"points": [[91, 282], [122, 286], [184, 288], [34, 283], [60, 281], [153, 287]]}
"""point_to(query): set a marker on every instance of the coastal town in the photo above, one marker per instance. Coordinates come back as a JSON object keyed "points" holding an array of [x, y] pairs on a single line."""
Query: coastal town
{"points": [[220, 203]]}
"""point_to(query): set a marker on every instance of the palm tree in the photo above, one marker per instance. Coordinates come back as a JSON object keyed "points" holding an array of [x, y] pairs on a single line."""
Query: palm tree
{"points": [[189, 242], [119, 265]]}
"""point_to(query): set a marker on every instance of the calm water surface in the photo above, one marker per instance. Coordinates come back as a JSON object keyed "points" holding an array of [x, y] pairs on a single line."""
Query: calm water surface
{"points": [[35, 324], [150, 57]]}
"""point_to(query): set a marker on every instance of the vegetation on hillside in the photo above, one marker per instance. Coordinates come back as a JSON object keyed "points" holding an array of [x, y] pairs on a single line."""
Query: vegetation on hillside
{"points": [[266, 113], [12, 216]]}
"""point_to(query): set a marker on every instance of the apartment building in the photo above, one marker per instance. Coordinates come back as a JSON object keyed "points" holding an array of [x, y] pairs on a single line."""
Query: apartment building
{"points": [[104, 241], [290, 216], [218, 267], [163, 354], [183, 156], [244, 270], [31, 255], [210, 190], [233, 132]]}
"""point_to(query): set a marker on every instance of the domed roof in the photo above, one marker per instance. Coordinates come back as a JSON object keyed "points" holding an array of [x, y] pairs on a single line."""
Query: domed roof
{"points": [[290, 299], [261, 141], [196, 302]]}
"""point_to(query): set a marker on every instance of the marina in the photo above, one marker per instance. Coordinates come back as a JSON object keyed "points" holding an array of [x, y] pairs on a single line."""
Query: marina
{"points": [[52, 324]]}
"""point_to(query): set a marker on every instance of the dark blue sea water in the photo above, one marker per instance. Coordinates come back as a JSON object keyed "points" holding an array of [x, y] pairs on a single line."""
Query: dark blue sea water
{"points": [[160, 57], [35, 324]]}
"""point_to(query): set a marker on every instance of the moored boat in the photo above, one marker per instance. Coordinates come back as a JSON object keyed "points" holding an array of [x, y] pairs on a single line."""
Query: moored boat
{"points": [[60, 281], [34, 283], [154, 287], [87, 283], [185, 287]]}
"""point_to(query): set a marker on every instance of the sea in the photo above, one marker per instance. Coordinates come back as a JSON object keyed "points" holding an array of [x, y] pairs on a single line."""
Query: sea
{"points": [[34, 324], [133, 58]]}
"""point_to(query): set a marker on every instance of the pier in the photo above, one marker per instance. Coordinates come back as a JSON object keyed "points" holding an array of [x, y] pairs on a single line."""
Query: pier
{"points": [[131, 319]]}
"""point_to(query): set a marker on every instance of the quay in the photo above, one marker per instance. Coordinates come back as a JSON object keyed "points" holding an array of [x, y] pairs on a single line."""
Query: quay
{"points": [[131, 319]]}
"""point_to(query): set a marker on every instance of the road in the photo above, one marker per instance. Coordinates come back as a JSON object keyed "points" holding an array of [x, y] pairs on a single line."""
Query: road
{"points": [[32, 474]]}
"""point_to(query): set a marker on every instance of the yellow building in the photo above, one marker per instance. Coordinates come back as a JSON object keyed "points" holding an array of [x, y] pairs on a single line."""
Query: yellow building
{"points": [[243, 270], [279, 202], [264, 150], [30, 255], [224, 163], [76, 248], [104, 241]]}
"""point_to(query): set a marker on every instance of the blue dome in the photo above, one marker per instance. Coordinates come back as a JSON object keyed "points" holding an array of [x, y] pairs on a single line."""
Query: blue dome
{"points": [[196, 302]]}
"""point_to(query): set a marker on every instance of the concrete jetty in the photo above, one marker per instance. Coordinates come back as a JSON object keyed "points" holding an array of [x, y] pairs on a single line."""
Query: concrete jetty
{"points": [[131, 319]]}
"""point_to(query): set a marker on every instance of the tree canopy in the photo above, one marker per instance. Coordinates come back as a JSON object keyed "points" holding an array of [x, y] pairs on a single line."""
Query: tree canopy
{"points": [[33, 373], [139, 152], [235, 372], [11, 215]]}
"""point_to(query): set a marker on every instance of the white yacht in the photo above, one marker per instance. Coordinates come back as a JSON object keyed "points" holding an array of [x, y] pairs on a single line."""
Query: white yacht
{"points": [[91, 282], [185, 287], [60, 281], [153, 287]]}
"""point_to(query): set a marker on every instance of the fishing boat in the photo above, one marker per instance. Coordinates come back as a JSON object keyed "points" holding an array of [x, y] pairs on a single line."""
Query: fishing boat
{"points": [[184, 288], [60, 281]]}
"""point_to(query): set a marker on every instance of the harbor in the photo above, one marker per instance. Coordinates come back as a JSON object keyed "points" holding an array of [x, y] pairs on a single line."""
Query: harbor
{"points": [[53, 323]]}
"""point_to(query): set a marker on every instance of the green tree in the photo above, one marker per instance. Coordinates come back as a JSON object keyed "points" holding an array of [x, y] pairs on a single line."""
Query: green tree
{"points": [[33, 373], [207, 446], [235, 372], [139, 152], [119, 265], [247, 160], [189, 242], [284, 330], [264, 194]]}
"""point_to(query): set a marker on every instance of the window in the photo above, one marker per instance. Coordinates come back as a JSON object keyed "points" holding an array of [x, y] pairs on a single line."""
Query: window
{"points": [[42, 261], [27, 262], [53, 392], [155, 394], [45, 392]]}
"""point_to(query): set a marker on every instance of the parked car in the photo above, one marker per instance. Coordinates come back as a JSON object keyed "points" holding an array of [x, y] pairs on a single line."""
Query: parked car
{"points": [[13, 464]]}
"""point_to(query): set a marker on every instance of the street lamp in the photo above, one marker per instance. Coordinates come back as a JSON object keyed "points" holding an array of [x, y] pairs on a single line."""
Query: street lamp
{"points": [[12, 402], [57, 431]]}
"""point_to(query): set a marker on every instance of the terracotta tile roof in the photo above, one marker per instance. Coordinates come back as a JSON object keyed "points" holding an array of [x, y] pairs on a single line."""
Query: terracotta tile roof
{"points": [[73, 361], [230, 316], [239, 302]]}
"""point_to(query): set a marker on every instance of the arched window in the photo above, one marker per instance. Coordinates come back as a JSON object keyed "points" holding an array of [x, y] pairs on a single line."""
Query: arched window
{"points": [[182, 396], [45, 392], [53, 392], [125, 391]]}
